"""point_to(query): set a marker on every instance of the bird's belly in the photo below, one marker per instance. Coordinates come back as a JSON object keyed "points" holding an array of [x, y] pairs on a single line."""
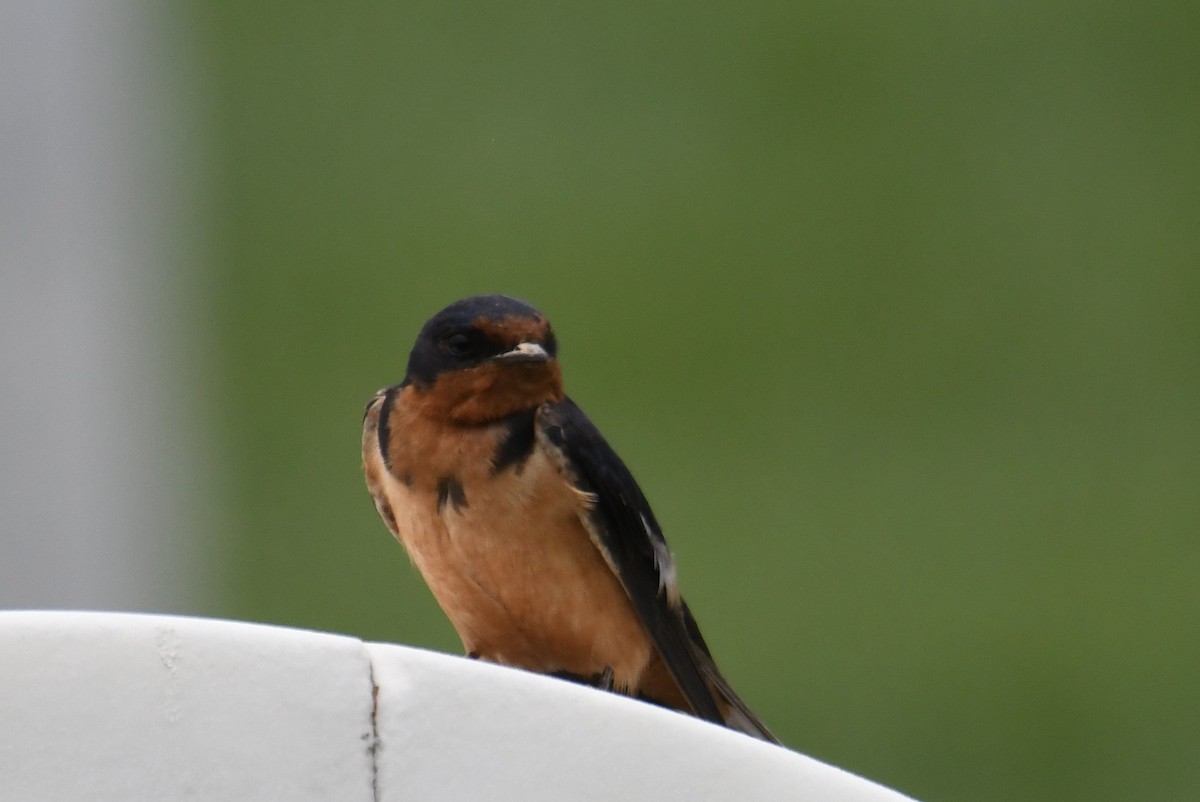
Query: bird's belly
{"points": [[519, 577]]}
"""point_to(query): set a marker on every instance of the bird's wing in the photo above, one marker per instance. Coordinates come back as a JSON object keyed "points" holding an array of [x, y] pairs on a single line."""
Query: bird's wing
{"points": [[625, 531]]}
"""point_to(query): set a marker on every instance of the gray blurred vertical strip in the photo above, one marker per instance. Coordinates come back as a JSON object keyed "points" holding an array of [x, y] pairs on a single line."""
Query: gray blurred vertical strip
{"points": [[99, 352]]}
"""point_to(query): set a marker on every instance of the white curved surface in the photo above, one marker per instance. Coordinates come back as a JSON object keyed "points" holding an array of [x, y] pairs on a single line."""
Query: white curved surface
{"points": [[110, 706]]}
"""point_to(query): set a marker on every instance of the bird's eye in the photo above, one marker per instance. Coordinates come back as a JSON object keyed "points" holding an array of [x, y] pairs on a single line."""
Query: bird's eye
{"points": [[459, 345]]}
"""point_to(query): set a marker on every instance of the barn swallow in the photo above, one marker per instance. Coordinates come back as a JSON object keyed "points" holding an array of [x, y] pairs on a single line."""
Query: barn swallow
{"points": [[528, 528]]}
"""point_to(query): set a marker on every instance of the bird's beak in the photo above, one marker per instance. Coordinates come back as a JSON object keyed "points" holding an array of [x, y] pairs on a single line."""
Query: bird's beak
{"points": [[524, 352]]}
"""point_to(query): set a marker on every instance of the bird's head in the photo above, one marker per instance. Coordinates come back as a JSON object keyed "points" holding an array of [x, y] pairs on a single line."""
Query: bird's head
{"points": [[482, 359]]}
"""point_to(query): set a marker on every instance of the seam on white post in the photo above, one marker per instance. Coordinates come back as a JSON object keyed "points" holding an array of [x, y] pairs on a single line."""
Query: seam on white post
{"points": [[375, 745]]}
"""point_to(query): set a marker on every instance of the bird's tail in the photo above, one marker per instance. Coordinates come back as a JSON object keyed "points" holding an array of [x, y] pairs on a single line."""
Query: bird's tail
{"points": [[737, 714]]}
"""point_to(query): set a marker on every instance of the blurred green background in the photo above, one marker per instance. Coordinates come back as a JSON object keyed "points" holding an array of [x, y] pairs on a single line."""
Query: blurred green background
{"points": [[892, 310]]}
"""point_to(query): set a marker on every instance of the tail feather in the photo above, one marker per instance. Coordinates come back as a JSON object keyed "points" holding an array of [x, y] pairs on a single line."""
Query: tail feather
{"points": [[737, 715]]}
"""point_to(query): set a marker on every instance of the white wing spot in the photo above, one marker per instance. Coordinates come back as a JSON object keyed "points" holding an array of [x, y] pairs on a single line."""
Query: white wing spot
{"points": [[665, 564]]}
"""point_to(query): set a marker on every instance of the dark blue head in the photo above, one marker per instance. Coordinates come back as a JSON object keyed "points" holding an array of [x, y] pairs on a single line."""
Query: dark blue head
{"points": [[477, 330]]}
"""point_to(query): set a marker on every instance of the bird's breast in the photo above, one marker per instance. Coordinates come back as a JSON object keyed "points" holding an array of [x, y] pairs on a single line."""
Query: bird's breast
{"points": [[505, 552]]}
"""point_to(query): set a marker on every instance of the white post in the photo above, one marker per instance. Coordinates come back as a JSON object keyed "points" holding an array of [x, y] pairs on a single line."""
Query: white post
{"points": [[105, 706]]}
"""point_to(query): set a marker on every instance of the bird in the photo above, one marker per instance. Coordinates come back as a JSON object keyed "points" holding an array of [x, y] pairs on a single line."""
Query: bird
{"points": [[529, 530]]}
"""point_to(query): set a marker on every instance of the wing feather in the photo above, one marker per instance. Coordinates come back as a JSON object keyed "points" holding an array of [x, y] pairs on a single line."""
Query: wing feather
{"points": [[625, 530]]}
